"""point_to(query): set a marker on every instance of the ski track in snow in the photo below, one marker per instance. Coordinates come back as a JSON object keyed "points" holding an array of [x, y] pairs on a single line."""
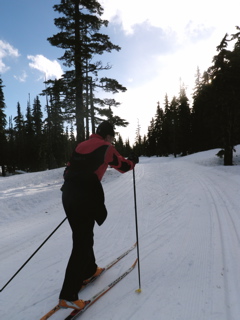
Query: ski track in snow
{"points": [[226, 241], [189, 237]]}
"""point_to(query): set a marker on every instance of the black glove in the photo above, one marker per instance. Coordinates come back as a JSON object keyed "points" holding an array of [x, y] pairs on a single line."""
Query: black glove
{"points": [[133, 157]]}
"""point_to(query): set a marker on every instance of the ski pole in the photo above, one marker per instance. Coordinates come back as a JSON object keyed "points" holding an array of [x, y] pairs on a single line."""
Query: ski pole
{"points": [[136, 223], [32, 255]]}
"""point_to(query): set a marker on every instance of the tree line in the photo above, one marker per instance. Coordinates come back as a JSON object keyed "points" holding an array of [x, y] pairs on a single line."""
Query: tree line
{"points": [[43, 139], [213, 120]]}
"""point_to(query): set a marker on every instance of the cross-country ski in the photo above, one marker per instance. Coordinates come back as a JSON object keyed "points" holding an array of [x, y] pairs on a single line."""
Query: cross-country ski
{"points": [[106, 268], [76, 313]]}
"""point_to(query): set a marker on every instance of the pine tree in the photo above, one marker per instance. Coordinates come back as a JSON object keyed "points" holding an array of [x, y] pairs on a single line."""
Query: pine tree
{"points": [[81, 40], [151, 139], [225, 80], [3, 122], [166, 128], [184, 125], [204, 125], [29, 121], [37, 116], [29, 138], [236, 70], [20, 146], [158, 129], [10, 152], [38, 152], [119, 145], [55, 139], [48, 138], [138, 146], [197, 82], [173, 122], [128, 148], [105, 110]]}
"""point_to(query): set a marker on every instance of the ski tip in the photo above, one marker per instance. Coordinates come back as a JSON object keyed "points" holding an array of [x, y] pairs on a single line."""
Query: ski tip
{"points": [[135, 262], [138, 290]]}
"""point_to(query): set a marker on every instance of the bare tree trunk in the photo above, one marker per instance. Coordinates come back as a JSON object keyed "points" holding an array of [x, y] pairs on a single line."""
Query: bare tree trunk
{"points": [[92, 108], [228, 156], [79, 78], [3, 171]]}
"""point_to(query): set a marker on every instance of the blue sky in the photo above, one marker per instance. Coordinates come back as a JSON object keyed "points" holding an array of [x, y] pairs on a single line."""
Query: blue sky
{"points": [[162, 44], [24, 28]]}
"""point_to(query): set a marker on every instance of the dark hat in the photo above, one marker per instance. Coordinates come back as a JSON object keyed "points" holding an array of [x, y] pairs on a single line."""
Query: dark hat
{"points": [[105, 128]]}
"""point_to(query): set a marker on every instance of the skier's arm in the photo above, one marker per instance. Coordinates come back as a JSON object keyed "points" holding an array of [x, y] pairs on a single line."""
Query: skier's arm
{"points": [[118, 162]]}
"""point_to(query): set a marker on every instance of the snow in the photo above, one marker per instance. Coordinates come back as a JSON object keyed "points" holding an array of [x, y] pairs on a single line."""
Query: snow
{"points": [[189, 239]]}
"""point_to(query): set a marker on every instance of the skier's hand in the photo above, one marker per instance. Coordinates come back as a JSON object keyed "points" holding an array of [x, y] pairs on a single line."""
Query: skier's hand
{"points": [[133, 157]]}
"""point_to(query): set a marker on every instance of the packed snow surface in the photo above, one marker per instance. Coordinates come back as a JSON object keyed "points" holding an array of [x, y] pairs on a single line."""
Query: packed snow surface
{"points": [[188, 212]]}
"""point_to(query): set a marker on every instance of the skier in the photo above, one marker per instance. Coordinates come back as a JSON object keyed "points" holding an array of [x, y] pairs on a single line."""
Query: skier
{"points": [[83, 202]]}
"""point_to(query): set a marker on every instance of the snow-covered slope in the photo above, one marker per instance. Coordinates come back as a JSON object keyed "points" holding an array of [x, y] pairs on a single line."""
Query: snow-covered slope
{"points": [[189, 238]]}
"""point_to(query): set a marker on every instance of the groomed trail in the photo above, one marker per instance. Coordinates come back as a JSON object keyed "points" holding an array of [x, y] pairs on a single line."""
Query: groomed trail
{"points": [[189, 237]]}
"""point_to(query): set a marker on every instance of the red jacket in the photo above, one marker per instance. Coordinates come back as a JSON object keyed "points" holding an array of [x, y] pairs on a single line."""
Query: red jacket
{"points": [[84, 172], [94, 156]]}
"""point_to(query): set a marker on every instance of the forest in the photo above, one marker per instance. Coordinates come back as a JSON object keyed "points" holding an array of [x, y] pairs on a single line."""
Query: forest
{"points": [[213, 119], [43, 137]]}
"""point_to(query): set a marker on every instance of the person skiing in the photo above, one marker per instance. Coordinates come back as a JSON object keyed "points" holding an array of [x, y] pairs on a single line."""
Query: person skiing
{"points": [[83, 202]]}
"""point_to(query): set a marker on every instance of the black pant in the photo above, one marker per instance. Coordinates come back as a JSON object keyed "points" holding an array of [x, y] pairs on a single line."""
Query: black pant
{"points": [[81, 264]]}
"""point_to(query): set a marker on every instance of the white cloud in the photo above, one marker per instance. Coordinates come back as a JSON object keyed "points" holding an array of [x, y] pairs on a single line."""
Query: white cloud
{"points": [[22, 77], [6, 50], [50, 69], [183, 17], [194, 28], [171, 71]]}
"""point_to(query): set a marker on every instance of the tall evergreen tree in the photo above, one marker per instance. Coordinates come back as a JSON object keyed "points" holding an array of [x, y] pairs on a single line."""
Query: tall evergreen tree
{"points": [[225, 80], [37, 116], [236, 70], [29, 137], [138, 146], [3, 123], [204, 125], [29, 121], [20, 145], [151, 139], [128, 148], [158, 128], [184, 125], [55, 139], [105, 110], [173, 121], [120, 145], [10, 152], [166, 128], [38, 152], [81, 40]]}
